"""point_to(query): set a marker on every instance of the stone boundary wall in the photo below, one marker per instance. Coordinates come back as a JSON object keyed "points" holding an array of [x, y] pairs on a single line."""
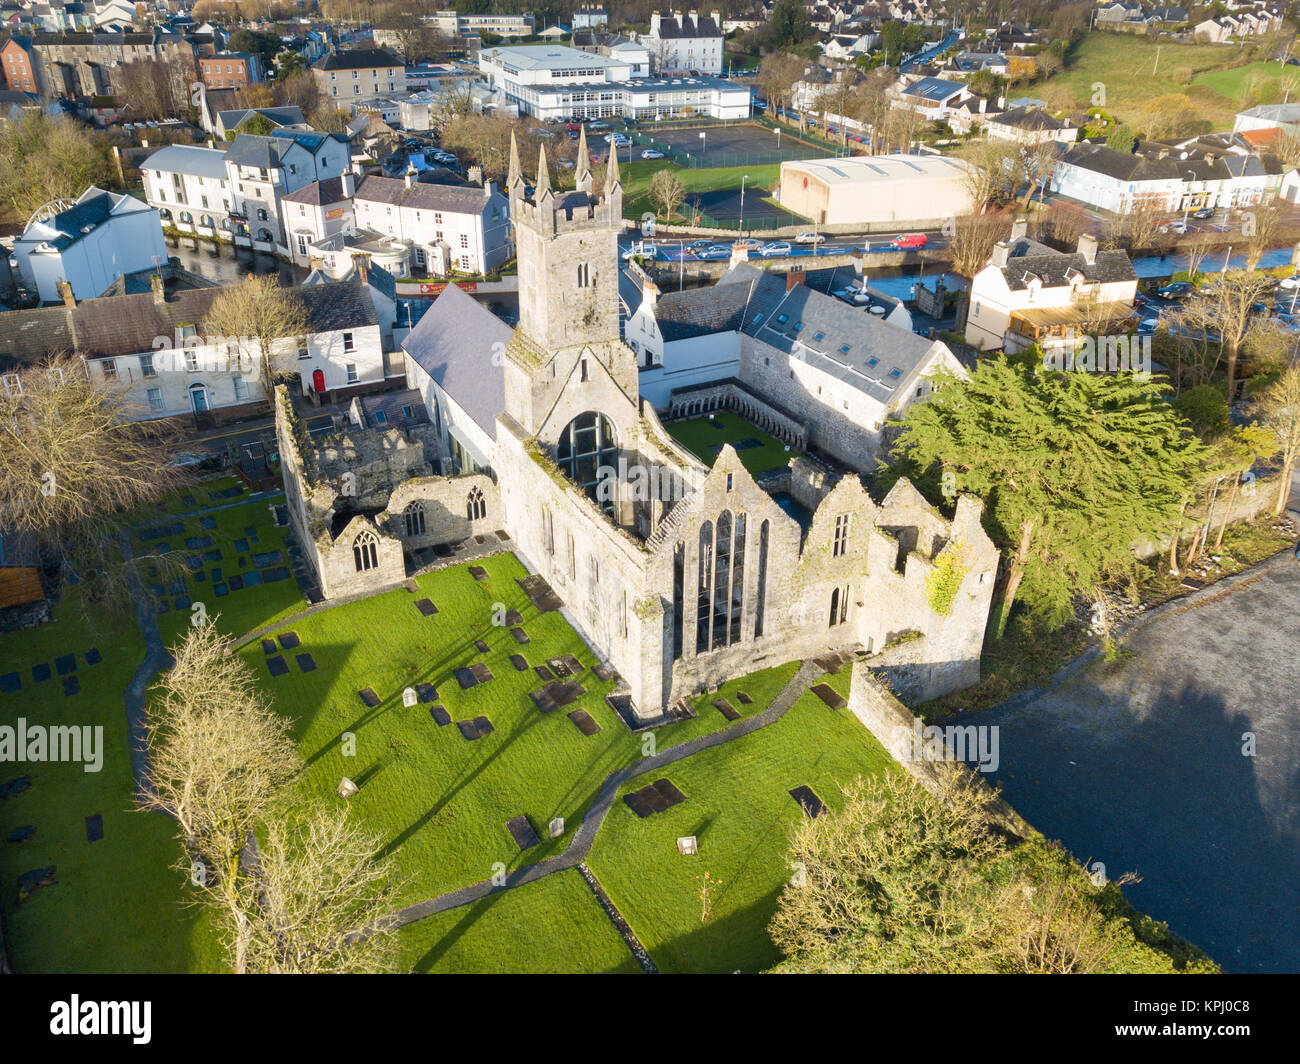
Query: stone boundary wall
{"points": [[892, 723], [1251, 502]]}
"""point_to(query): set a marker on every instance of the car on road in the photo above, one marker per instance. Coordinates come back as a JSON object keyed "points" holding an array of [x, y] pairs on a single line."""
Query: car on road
{"points": [[810, 238], [716, 253], [776, 247], [636, 250], [1203, 213], [751, 243], [910, 240], [1175, 290], [650, 153], [695, 245]]}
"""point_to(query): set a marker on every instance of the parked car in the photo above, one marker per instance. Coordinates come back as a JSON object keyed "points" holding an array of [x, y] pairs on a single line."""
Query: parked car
{"points": [[638, 249], [696, 245], [716, 253], [777, 247], [1173, 227], [810, 238], [650, 153], [1289, 282], [1175, 290], [1203, 213], [617, 139], [1148, 325], [910, 240]]}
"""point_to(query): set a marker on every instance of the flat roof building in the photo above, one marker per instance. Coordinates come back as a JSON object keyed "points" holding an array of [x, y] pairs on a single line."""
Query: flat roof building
{"points": [[907, 189]]}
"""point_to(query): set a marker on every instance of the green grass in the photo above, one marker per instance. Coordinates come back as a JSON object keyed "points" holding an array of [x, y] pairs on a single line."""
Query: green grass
{"points": [[636, 177], [738, 806], [697, 434], [239, 611], [1124, 63], [117, 905], [440, 802], [554, 925]]}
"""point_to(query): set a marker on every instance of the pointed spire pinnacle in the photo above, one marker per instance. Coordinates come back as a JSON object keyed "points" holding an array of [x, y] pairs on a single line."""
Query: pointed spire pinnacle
{"points": [[612, 179], [515, 175], [543, 176], [582, 176]]}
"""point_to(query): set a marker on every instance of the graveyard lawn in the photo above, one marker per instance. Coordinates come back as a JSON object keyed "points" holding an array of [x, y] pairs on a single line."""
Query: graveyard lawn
{"points": [[175, 585], [439, 801], [553, 925], [118, 904], [701, 435], [739, 807]]}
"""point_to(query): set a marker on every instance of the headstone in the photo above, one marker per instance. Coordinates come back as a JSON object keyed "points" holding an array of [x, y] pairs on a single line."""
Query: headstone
{"points": [[410, 697], [347, 788], [687, 846], [556, 827]]}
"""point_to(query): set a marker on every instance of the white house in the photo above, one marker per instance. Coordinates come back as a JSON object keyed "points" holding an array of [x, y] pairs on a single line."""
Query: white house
{"points": [[449, 228], [90, 244], [685, 43], [933, 98], [150, 345], [1029, 293], [1025, 125], [235, 192], [317, 211]]}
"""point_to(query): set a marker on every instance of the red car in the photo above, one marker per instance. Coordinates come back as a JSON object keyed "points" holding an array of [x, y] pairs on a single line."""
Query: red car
{"points": [[911, 240]]}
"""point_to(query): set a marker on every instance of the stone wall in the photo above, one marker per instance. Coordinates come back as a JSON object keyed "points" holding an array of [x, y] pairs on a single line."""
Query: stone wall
{"points": [[452, 508], [894, 727]]}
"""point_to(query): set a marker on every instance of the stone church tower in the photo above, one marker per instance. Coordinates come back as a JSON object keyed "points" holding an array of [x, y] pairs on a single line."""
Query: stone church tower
{"points": [[568, 334]]}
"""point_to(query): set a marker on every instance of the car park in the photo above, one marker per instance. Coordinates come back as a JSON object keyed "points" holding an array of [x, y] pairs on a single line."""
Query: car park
{"points": [[650, 153]]}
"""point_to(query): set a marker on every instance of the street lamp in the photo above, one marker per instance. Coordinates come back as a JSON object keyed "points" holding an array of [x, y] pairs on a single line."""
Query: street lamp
{"points": [[743, 179], [704, 143]]}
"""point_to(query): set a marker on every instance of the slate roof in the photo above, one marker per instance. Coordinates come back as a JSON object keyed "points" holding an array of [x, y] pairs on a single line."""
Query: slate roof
{"points": [[933, 89], [285, 116], [1030, 118], [318, 193], [1175, 166], [188, 159], [357, 59], [422, 195], [453, 343], [92, 211], [1031, 259], [669, 26], [114, 326], [388, 410], [841, 340]]}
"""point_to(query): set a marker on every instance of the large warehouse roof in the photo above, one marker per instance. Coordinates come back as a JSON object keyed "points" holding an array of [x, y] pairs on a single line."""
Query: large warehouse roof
{"points": [[878, 169]]}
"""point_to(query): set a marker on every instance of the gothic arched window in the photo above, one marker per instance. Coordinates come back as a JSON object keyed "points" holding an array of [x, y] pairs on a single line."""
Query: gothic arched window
{"points": [[365, 551], [475, 504], [586, 446], [414, 515]]}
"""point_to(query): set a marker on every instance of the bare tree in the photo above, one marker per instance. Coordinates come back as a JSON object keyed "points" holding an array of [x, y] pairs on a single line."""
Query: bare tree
{"points": [[1279, 412], [667, 192], [258, 318], [1265, 228], [1038, 165], [44, 158], [973, 238], [322, 899], [990, 172], [220, 758], [72, 461], [1229, 310]]}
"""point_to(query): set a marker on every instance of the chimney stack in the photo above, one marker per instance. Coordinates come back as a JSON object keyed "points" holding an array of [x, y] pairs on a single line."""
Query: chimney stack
{"points": [[1019, 229], [475, 175], [1001, 254], [649, 292], [793, 279], [65, 290], [156, 284], [409, 177], [361, 261], [739, 254], [1088, 248], [349, 180]]}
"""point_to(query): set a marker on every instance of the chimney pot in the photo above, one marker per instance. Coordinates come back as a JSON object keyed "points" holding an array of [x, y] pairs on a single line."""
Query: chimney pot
{"points": [[1001, 254], [793, 279], [1019, 228]]}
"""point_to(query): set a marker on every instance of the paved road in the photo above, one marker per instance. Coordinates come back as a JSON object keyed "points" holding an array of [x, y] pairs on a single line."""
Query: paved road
{"points": [[1142, 768]]}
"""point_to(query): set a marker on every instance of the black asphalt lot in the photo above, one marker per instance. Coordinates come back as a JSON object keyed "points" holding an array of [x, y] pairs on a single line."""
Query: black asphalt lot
{"points": [[725, 145], [1141, 766]]}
